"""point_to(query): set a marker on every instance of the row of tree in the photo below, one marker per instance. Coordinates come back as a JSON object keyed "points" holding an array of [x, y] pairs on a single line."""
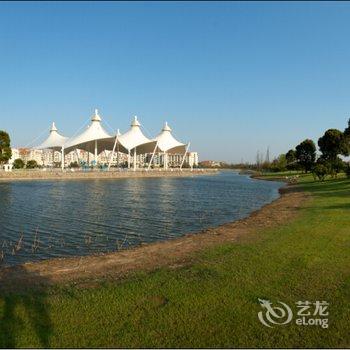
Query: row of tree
{"points": [[20, 164], [333, 144]]}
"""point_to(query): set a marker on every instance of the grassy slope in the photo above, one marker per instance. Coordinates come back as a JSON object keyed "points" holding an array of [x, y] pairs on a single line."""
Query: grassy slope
{"points": [[212, 303]]}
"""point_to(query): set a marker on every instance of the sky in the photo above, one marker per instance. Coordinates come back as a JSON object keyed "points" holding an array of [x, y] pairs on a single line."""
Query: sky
{"points": [[231, 77]]}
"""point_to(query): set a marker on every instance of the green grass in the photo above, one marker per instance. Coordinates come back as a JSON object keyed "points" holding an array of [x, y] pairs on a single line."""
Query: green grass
{"points": [[213, 302]]}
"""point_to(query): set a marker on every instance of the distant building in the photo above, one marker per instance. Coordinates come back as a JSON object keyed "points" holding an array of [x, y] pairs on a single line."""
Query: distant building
{"points": [[42, 157], [210, 164], [192, 158], [15, 155], [118, 158], [50, 157], [20, 153], [37, 155], [174, 160]]}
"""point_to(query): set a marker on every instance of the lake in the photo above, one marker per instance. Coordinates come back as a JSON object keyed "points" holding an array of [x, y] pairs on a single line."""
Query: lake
{"points": [[46, 219]]}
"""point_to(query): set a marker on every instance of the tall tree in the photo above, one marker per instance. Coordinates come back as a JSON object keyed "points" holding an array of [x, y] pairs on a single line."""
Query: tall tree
{"points": [[331, 144], [306, 154], [5, 148]]}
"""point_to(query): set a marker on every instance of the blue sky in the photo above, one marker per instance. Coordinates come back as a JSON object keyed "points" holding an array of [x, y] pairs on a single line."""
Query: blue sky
{"points": [[232, 78]]}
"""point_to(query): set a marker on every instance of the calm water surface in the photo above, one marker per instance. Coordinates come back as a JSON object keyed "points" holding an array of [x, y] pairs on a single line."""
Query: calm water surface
{"points": [[44, 219]]}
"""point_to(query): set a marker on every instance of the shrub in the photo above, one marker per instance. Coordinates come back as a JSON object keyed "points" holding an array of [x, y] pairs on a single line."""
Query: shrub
{"points": [[31, 164], [320, 171], [74, 165], [18, 163]]}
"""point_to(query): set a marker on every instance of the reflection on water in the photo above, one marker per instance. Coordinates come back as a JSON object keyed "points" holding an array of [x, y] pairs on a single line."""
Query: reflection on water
{"points": [[43, 219]]}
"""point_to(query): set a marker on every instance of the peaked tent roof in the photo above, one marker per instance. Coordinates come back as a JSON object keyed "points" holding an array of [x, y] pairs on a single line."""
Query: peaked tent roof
{"points": [[55, 141], [167, 142], [86, 140], [134, 138]]}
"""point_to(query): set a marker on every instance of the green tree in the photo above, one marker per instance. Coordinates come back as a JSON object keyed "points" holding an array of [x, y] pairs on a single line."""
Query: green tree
{"points": [[291, 158], [31, 164], [5, 148], [279, 164], [18, 163], [331, 144], [306, 154]]}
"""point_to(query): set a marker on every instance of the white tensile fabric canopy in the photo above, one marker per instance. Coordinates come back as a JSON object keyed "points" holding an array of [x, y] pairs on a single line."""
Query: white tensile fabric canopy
{"points": [[55, 141], [135, 139], [94, 139], [167, 143]]}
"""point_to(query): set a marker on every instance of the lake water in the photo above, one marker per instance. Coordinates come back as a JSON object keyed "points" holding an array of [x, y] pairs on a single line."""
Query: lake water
{"points": [[45, 219]]}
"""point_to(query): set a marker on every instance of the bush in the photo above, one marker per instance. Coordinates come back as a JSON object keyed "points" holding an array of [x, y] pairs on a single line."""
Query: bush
{"points": [[31, 164], [74, 165], [18, 163], [320, 171]]}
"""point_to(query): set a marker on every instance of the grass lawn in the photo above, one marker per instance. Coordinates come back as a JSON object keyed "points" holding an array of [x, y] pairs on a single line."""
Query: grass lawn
{"points": [[212, 303]]}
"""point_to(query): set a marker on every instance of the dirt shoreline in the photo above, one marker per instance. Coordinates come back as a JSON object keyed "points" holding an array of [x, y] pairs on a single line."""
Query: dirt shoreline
{"points": [[95, 175], [169, 253]]}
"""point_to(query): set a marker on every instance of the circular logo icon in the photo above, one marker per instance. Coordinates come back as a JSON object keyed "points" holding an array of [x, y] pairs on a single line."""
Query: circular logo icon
{"points": [[274, 315]]}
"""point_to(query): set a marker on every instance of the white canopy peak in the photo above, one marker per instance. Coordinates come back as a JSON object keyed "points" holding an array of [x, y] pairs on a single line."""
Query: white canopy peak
{"points": [[53, 127], [135, 122], [167, 142], [166, 127], [118, 132], [54, 141], [96, 117]]}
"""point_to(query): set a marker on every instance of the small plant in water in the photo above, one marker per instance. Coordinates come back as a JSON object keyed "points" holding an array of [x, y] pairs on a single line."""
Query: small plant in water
{"points": [[35, 245], [18, 246]]}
